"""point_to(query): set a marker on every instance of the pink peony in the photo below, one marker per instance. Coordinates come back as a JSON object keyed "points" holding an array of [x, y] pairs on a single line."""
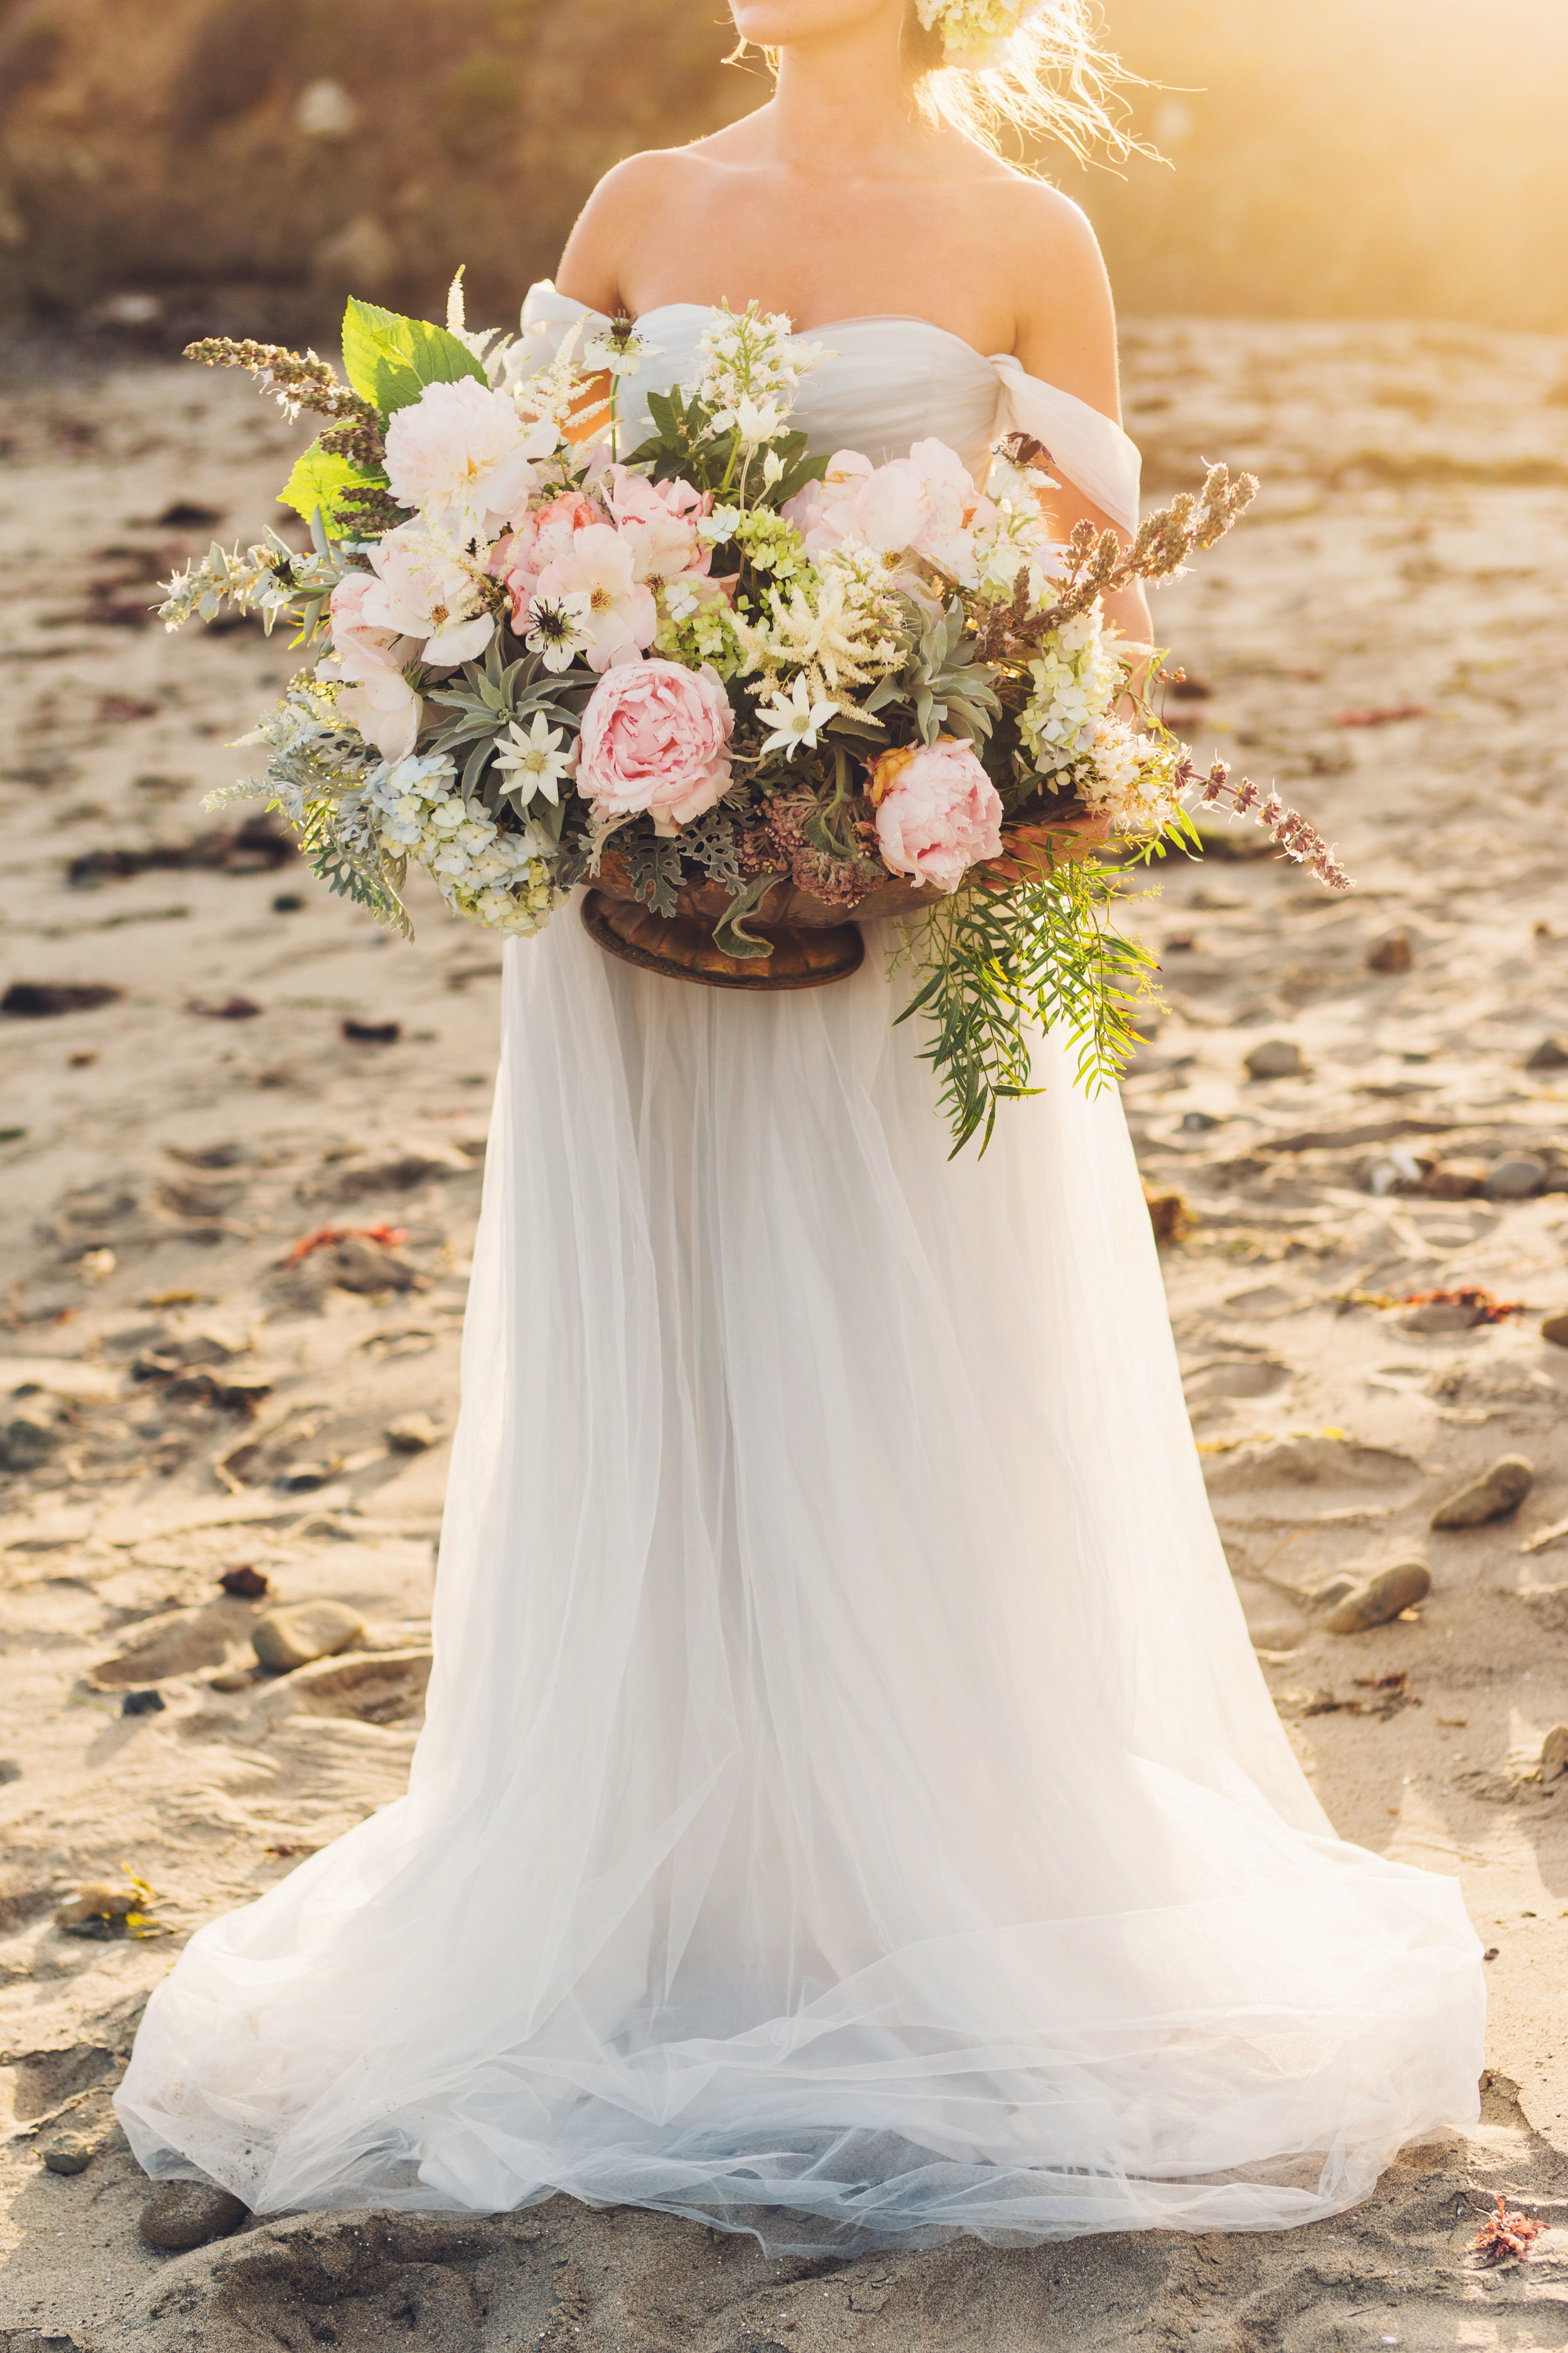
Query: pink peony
{"points": [[461, 453], [655, 737], [370, 659], [938, 812], [925, 505], [542, 537], [421, 590]]}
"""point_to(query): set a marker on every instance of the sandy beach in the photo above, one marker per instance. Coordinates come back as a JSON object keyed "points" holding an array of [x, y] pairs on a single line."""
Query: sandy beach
{"points": [[1385, 637]]}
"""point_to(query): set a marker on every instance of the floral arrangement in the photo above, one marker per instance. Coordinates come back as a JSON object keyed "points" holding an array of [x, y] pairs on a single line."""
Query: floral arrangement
{"points": [[738, 662]]}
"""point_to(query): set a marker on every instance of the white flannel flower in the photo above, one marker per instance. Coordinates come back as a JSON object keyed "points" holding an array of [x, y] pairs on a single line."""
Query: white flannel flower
{"points": [[531, 759], [794, 718], [723, 523], [620, 355]]}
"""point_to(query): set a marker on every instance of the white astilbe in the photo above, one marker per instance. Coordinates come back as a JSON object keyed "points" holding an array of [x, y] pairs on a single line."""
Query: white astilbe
{"points": [[832, 629], [1076, 678], [752, 364], [552, 393], [1135, 780], [414, 809]]}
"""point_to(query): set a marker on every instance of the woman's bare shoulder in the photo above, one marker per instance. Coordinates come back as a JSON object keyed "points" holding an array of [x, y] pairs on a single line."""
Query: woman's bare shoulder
{"points": [[1065, 324], [628, 210]]}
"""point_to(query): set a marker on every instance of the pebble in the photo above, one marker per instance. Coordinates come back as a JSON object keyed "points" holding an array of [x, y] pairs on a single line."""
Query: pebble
{"points": [[1515, 1177], [1381, 1598], [1492, 1496], [1555, 1753], [1442, 1315], [1554, 1327], [289, 1638], [1455, 1180], [412, 1434], [184, 2214], [1392, 953], [301, 1478], [70, 2153], [366, 1267], [9, 1770], [1552, 1054], [142, 1703], [1276, 1058], [246, 1583]]}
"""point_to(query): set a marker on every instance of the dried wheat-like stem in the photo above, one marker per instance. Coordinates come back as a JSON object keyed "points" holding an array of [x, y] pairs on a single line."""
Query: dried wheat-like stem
{"points": [[1297, 837]]}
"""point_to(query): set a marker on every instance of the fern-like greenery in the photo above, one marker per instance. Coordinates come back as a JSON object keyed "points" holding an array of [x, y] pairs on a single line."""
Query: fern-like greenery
{"points": [[1001, 960]]}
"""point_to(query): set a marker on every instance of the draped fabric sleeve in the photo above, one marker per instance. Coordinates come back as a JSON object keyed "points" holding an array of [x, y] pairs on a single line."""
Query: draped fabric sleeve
{"points": [[1083, 447], [547, 319]]}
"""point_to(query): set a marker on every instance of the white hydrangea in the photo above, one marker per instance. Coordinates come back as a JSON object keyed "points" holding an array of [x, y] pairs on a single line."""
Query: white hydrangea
{"points": [[1076, 679], [493, 876]]}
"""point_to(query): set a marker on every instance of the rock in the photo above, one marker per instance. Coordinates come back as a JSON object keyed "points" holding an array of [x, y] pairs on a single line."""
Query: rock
{"points": [[1198, 1122], [1398, 1171], [26, 1440], [70, 2152], [33, 999], [289, 1638], [1392, 953], [9, 1770], [1554, 1327], [180, 2215], [1170, 1213], [233, 1679], [325, 110], [1552, 1054], [366, 1267], [97, 1900], [1515, 1177], [1555, 1753], [1455, 1180], [1443, 1315], [1276, 1058], [301, 1478], [412, 1433], [1492, 1496], [142, 1703], [372, 1033], [246, 1583], [415, 1163], [1381, 1598]]}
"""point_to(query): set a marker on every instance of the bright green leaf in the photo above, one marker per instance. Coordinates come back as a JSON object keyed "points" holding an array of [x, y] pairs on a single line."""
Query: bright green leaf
{"points": [[319, 479], [389, 359]]}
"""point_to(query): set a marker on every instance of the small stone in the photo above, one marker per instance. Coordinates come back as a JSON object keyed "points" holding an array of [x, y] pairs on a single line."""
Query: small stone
{"points": [[1392, 953], [1443, 1315], [289, 1638], [184, 2214], [1276, 1058], [96, 1902], [301, 1478], [1554, 1327], [233, 1679], [1171, 1214], [1515, 1177], [1198, 1122], [412, 1433], [246, 1583], [1455, 1180], [1381, 1598], [25, 1441], [69, 2152], [142, 1703], [1552, 1054], [1492, 1496], [1555, 1753], [366, 1267], [9, 1770]]}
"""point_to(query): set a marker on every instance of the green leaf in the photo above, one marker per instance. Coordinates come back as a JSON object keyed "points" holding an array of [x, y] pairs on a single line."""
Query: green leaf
{"points": [[731, 936], [319, 479], [390, 360]]}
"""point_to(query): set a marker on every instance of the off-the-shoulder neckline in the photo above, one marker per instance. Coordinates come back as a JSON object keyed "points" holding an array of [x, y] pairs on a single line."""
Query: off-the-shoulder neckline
{"points": [[860, 319]]}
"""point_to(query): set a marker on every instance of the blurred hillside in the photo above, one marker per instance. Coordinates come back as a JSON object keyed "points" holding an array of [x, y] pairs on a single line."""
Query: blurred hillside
{"points": [[242, 162]]}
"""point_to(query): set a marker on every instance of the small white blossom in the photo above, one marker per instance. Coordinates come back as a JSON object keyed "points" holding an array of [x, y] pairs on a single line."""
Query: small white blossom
{"points": [[531, 759], [794, 718], [773, 469], [560, 627], [723, 523]]}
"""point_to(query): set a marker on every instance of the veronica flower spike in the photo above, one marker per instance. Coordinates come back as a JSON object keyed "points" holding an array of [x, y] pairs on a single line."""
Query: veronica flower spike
{"points": [[794, 719]]}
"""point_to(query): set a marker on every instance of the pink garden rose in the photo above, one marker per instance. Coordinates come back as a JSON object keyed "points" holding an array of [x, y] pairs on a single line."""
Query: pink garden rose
{"points": [[655, 737], [938, 812], [541, 538]]}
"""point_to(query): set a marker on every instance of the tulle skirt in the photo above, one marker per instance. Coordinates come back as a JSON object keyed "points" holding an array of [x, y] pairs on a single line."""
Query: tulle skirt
{"points": [[849, 1809]]}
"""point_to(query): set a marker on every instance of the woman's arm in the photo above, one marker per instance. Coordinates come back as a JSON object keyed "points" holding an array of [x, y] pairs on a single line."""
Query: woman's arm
{"points": [[1065, 335]]}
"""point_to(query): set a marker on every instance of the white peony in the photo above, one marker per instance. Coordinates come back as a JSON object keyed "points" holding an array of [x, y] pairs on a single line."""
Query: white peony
{"points": [[462, 455]]}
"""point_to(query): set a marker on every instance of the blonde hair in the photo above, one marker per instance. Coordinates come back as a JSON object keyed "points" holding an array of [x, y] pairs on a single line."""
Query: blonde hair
{"points": [[1058, 82]]}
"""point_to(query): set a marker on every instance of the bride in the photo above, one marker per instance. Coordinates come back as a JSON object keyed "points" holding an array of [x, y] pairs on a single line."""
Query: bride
{"points": [[849, 1810]]}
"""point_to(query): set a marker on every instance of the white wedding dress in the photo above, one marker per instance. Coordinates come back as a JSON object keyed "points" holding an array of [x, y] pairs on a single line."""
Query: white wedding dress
{"points": [[849, 1809]]}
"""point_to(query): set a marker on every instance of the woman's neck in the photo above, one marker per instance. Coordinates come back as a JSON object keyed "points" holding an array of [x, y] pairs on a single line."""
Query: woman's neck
{"points": [[842, 105]]}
